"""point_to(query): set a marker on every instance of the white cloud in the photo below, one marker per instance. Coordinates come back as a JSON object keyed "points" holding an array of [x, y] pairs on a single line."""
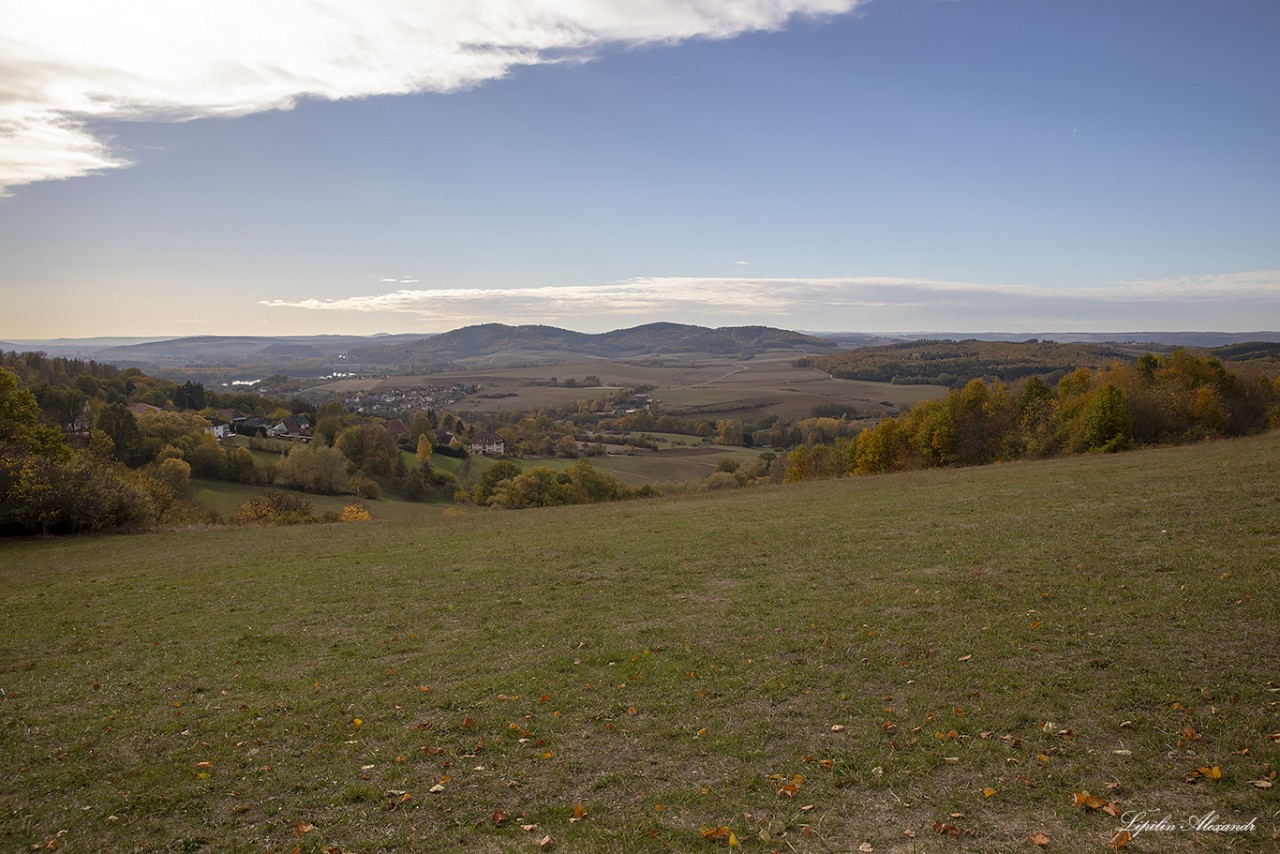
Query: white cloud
{"points": [[867, 302], [67, 63]]}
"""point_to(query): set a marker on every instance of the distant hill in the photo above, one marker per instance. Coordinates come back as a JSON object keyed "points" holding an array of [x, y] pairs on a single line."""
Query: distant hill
{"points": [[953, 363], [1169, 339], [221, 348], [654, 338]]}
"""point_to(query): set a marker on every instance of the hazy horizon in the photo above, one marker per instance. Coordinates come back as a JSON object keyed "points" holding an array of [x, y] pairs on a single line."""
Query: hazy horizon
{"points": [[414, 166]]}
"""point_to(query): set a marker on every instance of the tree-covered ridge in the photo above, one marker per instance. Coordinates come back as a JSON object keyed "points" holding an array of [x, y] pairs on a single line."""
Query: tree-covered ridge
{"points": [[954, 363], [1179, 397], [490, 338]]}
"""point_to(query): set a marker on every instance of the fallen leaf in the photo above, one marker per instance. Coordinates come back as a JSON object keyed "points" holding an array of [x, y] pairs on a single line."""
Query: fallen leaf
{"points": [[988, 792], [303, 827], [720, 834], [1120, 840], [866, 848], [965, 657], [499, 818], [528, 828], [1040, 838], [578, 813], [1260, 784], [546, 843], [436, 789], [1084, 799], [837, 727]]}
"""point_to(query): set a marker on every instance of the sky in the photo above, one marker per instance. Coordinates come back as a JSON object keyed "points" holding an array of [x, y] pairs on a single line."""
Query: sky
{"points": [[325, 166]]}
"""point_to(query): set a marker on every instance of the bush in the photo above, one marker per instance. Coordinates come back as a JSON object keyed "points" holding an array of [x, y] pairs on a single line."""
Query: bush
{"points": [[275, 507], [355, 512], [79, 495]]}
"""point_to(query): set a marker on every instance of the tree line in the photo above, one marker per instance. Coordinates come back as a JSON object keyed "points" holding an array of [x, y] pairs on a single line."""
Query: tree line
{"points": [[1179, 397]]}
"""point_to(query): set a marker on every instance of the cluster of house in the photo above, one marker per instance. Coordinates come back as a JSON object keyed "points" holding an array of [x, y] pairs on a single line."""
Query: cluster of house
{"points": [[418, 397], [297, 427]]}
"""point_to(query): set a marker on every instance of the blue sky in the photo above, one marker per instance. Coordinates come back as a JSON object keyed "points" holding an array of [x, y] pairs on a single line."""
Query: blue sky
{"points": [[886, 166]]}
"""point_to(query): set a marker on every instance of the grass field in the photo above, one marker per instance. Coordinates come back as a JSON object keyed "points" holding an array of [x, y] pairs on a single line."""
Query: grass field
{"points": [[709, 387], [931, 661]]}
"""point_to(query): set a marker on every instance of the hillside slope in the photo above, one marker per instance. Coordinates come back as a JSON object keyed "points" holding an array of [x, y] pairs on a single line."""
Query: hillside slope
{"points": [[910, 658]]}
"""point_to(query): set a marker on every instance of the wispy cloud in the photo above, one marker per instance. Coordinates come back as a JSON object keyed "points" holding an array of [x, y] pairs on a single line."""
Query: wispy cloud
{"points": [[875, 303], [67, 63]]}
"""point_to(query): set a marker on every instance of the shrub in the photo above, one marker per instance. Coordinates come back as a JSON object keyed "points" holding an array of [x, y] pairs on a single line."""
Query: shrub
{"points": [[355, 512], [275, 507]]}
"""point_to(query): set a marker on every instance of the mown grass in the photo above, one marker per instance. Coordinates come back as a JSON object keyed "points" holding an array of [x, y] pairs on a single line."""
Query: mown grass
{"points": [[1035, 629]]}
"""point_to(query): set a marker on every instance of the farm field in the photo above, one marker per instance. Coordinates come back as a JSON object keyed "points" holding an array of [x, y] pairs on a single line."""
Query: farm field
{"points": [[931, 661], [710, 386]]}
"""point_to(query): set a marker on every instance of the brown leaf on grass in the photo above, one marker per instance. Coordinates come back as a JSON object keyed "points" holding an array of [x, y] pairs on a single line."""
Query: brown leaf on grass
{"points": [[951, 829], [1191, 734], [632, 710], [1275, 736], [788, 791], [303, 827], [720, 834], [1120, 840], [546, 843], [1040, 838], [1213, 772], [498, 818], [988, 792], [837, 727], [1084, 799], [965, 657], [205, 764], [578, 813], [528, 828], [1263, 783]]}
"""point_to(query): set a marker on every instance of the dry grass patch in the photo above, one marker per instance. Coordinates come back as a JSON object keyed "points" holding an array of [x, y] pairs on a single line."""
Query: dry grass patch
{"points": [[890, 648]]}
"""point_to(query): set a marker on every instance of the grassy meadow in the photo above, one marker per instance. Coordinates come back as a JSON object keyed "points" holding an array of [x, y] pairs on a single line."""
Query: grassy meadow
{"points": [[929, 661], [706, 386]]}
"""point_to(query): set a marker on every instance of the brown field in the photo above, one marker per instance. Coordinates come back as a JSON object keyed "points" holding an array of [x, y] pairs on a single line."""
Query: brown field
{"points": [[710, 386]]}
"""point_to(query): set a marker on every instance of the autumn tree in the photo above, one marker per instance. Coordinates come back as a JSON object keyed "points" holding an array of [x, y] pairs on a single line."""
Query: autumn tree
{"points": [[1107, 422], [316, 468]]}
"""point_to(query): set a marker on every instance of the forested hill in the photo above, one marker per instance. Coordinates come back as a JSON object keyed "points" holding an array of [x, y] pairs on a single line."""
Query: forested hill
{"points": [[954, 363], [490, 338]]}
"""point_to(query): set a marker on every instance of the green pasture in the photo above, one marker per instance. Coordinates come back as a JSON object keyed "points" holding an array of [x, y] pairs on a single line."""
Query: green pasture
{"points": [[942, 660]]}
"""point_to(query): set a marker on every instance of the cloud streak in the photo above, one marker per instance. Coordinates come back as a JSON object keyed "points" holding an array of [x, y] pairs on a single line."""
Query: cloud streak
{"points": [[65, 64], [872, 303]]}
